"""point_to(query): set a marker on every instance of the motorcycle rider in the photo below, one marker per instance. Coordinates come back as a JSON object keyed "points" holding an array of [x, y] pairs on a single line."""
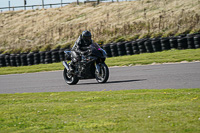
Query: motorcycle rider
{"points": [[81, 47]]}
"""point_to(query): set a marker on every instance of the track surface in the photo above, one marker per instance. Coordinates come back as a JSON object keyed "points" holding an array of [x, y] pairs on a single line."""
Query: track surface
{"points": [[183, 75]]}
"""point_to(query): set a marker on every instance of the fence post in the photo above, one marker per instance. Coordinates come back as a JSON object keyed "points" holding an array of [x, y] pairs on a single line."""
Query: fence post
{"points": [[42, 3], [77, 2], [9, 5], [61, 3], [24, 4], [98, 2]]}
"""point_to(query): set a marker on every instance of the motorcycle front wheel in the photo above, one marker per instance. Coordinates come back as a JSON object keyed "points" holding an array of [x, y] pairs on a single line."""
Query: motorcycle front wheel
{"points": [[69, 78], [103, 76]]}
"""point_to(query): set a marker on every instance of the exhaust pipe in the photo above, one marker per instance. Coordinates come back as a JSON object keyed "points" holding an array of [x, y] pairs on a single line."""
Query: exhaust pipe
{"points": [[66, 65]]}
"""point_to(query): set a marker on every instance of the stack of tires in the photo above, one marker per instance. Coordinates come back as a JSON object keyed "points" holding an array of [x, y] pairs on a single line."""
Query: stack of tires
{"points": [[12, 60], [113, 48], [148, 46], [18, 59], [48, 58], [2, 60], [156, 45], [30, 59], [173, 42], [42, 57], [61, 54], [108, 50], [7, 59], [141, 46], [182, 42], [23, 58], [165, 43], [197, 41], [36, 58], [55, 56], [129, 49], [135, 47], [121, 48], [190, 41]]}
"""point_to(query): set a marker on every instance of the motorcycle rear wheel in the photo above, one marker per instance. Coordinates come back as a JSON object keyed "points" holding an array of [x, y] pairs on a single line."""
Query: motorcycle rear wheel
{"points": [[70, 79], [104, 75]]}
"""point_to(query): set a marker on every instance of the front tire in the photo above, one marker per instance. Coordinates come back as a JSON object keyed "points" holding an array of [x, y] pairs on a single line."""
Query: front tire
{"points": [[69, 78], [103, 76]]}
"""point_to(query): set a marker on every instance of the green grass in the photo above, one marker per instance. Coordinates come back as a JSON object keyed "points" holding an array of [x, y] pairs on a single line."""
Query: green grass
{"points": [[143, 59], [141, 111]]}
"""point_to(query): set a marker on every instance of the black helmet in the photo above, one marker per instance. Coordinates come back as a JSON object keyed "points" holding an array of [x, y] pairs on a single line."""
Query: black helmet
{"points": [[86, 35]]}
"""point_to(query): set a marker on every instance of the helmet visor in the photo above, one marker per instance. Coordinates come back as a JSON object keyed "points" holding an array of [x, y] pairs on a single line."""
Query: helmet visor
{"points": [[87, 38]]}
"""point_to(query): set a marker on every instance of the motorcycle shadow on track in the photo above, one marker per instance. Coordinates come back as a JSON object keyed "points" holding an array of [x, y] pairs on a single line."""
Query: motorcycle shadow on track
{"points": [[114, 82]]}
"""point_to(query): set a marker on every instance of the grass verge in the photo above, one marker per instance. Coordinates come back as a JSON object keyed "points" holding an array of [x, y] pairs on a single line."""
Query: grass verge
{"points": [[167, 110], [142, 59]]}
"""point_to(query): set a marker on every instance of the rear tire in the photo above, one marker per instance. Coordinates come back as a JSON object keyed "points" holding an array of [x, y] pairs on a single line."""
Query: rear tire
{"points": [[104, 75], [70, 79]]}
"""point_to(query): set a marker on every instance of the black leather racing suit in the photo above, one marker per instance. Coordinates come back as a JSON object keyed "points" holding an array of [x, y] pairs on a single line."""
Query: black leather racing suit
{"points": [[80, 48]]}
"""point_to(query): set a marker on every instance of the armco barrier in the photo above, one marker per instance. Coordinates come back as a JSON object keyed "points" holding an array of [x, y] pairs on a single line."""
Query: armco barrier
{"points": [[191, 41]]}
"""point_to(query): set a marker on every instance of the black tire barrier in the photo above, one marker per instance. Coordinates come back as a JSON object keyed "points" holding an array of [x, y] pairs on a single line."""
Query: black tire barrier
{"points": [[141, 46], [18, 60], [129, 49], [165, 43], [173, 42], [36, 58], [23, 58], [2, 60], [108, 50], [182, 42], [7, 60], [48, 58], [121, 48], [61, 54], [114, 51], [197, 41], [135, 47], [190, 41], [148, 46], [156, 45], [55, 56], [12, 60], [30, 59], [42, 57]]}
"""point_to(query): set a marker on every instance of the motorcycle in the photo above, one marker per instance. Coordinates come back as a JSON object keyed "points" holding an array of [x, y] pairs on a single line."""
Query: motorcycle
{"points": [[90, 66]]}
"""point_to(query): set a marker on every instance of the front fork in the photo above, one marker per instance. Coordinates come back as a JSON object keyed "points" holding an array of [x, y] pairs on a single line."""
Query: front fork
{"points": [[66, 65]]}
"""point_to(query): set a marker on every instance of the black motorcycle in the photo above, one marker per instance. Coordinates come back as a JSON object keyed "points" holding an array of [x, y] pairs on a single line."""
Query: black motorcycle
{"points": [[90, 66]]}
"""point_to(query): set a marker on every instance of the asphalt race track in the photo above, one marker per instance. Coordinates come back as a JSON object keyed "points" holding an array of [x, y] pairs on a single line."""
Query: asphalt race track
{"points": [[178, 75]]}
